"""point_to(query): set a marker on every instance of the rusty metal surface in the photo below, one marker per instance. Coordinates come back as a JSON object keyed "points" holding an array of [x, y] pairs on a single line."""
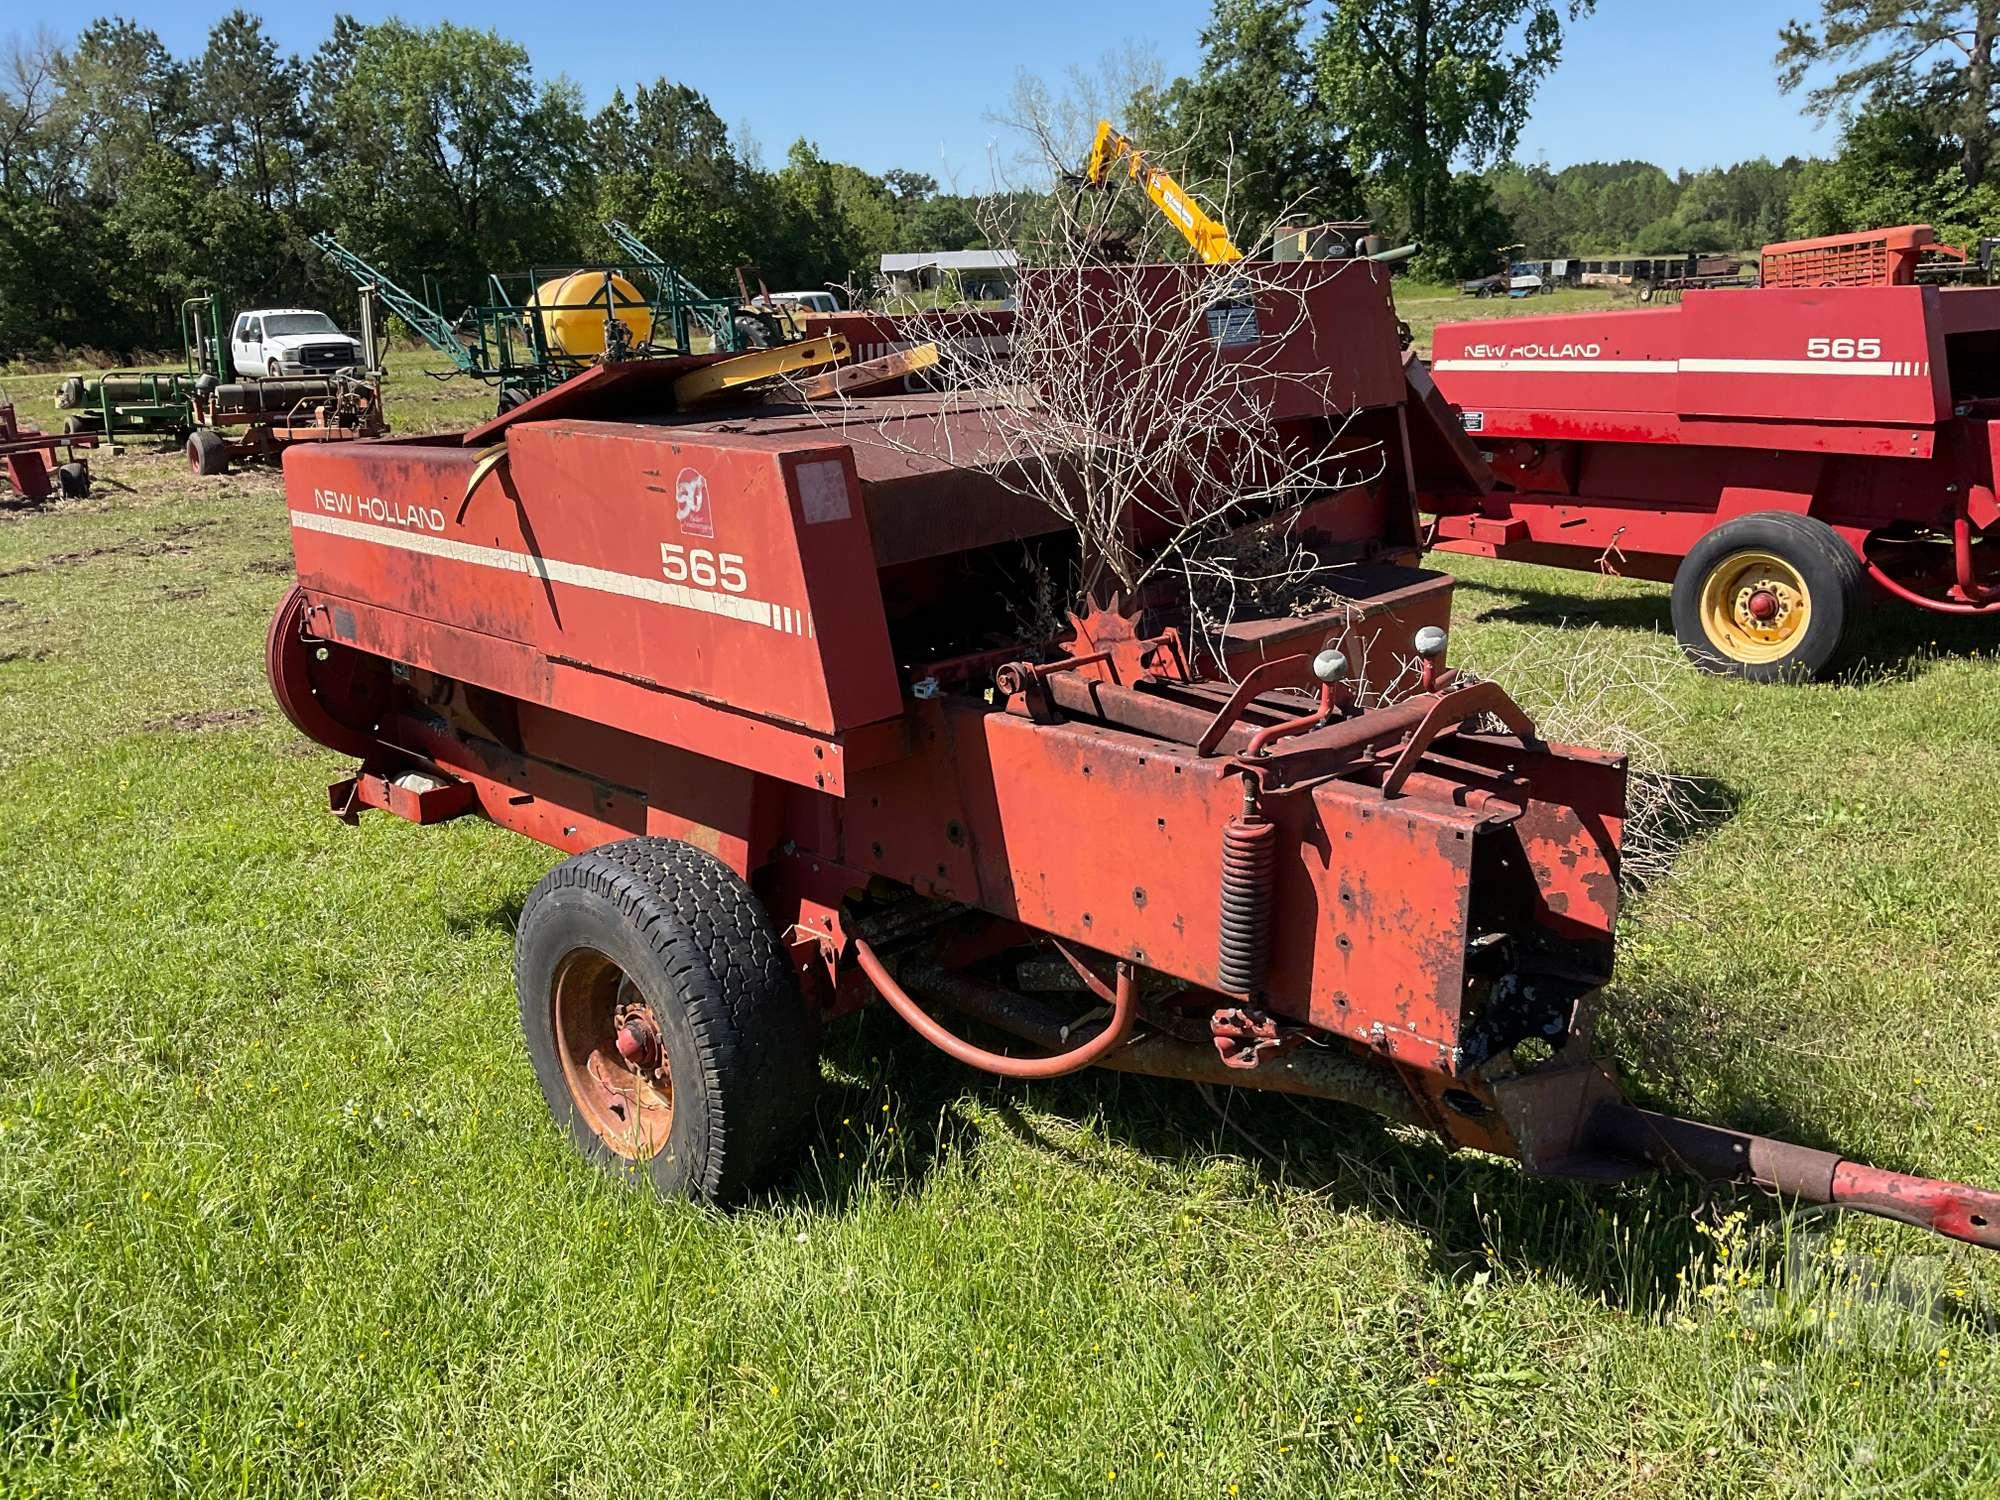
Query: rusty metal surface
{"points": [[1799, 1172], [636, 622]]}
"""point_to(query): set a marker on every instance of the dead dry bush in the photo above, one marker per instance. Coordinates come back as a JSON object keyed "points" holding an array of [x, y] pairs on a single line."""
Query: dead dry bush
{"points": [[1592, 687]]}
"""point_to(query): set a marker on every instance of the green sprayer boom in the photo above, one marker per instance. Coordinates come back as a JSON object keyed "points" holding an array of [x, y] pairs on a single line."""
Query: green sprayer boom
{"points": [[424, 320], [674, 293]]}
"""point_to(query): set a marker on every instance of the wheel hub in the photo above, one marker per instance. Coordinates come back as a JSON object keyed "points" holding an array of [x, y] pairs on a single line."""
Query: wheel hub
{"points": [[1755, 606], [613, 1054], [639, 1038]]}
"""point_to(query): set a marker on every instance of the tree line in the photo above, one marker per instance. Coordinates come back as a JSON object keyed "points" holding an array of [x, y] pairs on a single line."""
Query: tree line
{"points": [[1407, 113], [131, 178]]}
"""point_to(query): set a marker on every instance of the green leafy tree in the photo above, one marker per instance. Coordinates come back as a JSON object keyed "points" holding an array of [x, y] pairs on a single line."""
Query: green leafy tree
{"points": [[835, 220], [123, 94], [249, 104], [1255, 139], [1933, 55], [38, 135], [456, 160], [1428, 85], [1894, 168], [666, 165]]}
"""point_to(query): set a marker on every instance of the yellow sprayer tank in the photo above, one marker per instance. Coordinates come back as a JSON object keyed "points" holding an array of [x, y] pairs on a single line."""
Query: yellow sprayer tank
{"points": [[572, 310]]}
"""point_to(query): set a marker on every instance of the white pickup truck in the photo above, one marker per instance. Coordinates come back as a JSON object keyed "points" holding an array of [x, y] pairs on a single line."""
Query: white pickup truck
{"points": [[270, 342]]}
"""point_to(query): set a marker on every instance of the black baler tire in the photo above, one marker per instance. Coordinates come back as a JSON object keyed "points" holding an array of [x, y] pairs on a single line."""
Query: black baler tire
{"points": [[73, 479], [207, 452], [1832, 574], [698, 944]]}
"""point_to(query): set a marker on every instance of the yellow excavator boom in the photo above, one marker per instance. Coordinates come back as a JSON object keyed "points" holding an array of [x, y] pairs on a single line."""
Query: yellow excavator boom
{"points": [[1210, 240]]}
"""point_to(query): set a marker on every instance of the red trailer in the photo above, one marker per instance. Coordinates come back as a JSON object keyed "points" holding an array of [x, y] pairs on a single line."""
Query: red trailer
{"points": [[1768, 451], [28, 457], [761, 673]]}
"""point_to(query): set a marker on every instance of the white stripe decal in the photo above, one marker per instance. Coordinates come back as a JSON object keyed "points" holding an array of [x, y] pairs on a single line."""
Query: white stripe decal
{"points": [[1891, 367], [577, 575], [1798, 367], [1562, 366]]}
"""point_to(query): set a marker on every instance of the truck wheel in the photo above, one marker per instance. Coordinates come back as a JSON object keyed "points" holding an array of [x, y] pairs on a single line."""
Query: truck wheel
{"points": [[663, 1020], [207, 453], [1770, 597], [271, 369]]}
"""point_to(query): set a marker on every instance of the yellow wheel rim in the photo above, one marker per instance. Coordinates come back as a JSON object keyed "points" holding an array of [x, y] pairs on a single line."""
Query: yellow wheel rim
{"points": [[1755, 607]]}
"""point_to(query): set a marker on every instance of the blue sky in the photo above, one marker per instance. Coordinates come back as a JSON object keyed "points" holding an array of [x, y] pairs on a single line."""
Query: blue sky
{"points": [[915, 86]]}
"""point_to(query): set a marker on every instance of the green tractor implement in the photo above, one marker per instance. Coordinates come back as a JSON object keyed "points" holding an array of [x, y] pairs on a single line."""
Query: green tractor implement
{"points": [[538, 327], [219, 416]]}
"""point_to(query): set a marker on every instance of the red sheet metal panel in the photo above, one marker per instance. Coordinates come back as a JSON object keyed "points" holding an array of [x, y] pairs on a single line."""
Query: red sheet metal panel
{"points": [[1858, 370], [1309, 339], [1569, 362], [1856, 354], [719, 569]]}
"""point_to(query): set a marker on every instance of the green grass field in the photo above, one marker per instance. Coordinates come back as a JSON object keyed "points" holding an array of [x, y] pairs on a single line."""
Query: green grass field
{"points": [[281, 1212], [1424, 305]]}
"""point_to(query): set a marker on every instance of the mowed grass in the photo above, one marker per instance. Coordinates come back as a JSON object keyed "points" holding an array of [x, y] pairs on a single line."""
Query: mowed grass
{"points": [[1423, 306], [281, 1212]]}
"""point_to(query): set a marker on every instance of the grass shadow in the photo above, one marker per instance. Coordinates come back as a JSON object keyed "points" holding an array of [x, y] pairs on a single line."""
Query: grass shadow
{"points": [[1891, 642], [1472, 1209], [1536, 606], [504, 916], [1895, 642], [1667, 812]]}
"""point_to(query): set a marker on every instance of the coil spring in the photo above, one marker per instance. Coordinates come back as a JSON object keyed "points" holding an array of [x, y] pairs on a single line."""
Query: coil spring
{"points": [[1249, 855]]}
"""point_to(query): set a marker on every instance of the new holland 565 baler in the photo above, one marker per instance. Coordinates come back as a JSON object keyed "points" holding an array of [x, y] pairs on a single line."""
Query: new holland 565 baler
{"points": [[758, 668], [1768, 450]]}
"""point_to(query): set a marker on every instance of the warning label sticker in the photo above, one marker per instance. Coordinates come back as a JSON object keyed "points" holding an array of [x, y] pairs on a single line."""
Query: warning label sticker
{"points": [[823, 492]]}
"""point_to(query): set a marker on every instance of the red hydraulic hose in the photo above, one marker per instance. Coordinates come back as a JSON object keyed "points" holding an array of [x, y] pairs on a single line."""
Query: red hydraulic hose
{"points": [[1925, 601], [1980, 599], [1961, 553], [1299, 725], [1124, 1008]]}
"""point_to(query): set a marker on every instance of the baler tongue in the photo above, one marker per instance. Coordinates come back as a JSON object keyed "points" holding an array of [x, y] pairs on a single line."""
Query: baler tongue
{"points": [[1621, 1130]]}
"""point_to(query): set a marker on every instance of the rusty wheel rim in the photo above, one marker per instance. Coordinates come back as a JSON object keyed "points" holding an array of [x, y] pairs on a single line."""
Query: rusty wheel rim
{"points": [[613, 1055]]}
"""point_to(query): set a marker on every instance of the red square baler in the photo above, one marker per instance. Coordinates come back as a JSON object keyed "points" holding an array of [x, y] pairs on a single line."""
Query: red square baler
{"points": [[1778, 453], [765, 669]]}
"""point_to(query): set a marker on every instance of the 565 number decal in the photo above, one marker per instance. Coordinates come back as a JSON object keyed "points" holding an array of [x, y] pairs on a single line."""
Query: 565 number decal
{"points": [[703, 568], [1843, 348]]}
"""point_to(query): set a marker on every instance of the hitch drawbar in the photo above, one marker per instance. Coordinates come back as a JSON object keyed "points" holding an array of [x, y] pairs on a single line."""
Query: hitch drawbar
{"points": [[1798, 1172]]}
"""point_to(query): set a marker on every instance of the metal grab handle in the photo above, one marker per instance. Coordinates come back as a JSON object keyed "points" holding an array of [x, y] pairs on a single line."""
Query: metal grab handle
{"points": [[1124, 1009], [1257, 680], [1451, 711]]}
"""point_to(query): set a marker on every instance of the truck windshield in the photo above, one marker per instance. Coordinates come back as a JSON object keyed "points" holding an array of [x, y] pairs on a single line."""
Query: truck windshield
{"points": [[279, 324]]}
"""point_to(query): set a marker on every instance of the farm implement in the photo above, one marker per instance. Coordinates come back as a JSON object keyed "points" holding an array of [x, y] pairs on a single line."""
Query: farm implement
{"points": [[539, 327], [1773, 452], [760, 668], [217, 415], [36, 464]]}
